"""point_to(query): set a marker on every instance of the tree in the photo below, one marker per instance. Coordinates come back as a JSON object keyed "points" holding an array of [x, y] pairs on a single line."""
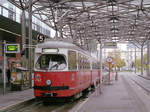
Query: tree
{"points": [[116, 54], [138, 61]]}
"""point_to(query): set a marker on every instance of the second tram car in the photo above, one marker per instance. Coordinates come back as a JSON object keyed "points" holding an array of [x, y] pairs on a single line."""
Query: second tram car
{"points": [[63, 70]]}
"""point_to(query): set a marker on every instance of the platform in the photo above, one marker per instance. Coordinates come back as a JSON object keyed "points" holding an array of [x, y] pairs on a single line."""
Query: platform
{"points": [[124, 95], [14, 98]]}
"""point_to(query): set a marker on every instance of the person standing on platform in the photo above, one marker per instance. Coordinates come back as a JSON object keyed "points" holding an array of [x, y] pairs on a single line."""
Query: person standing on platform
{"points": [[8, 75]]}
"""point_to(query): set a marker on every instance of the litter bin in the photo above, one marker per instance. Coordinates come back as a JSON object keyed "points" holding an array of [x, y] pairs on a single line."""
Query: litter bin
{"points": [[19, 78]]}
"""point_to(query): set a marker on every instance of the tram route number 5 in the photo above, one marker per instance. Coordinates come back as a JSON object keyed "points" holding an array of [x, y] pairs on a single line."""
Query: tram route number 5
{"points": [[40, 38]]}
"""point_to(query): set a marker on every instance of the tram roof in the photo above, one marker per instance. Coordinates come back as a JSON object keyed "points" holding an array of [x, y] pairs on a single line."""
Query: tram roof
{"points": [[61, 44], [115, 20]]}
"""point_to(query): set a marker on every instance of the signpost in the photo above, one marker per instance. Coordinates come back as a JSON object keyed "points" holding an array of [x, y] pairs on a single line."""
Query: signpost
{"points": [[109, 60], [8, 48]]}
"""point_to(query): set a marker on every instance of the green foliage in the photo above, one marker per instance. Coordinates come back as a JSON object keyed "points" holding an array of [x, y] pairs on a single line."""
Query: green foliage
{"points": [[116, 54], [138, 61]]}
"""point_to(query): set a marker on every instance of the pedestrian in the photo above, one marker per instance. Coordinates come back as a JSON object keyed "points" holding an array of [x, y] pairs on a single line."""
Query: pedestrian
{"points": [[8, 75], [0, 70]]}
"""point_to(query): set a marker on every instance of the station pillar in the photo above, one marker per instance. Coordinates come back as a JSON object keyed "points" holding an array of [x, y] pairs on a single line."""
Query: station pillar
{"points": [[23, 31], [135, 60], [148, 58], [30, 61], [4, 68], [142, 60], [101, 63]]}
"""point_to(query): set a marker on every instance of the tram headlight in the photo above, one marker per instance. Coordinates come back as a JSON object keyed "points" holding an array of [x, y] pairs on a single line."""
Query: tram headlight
{"points": [[48, 82]]}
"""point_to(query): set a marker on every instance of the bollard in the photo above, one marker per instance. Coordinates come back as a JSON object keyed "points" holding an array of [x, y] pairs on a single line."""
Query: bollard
{"points": [[116, 76]]}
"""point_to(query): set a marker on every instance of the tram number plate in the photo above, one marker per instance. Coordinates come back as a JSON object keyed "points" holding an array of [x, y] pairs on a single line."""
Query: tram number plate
{"points": [[49, 94]]}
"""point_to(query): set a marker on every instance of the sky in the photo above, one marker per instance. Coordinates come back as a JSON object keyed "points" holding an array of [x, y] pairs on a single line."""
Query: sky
{"points": [[122, 47]]}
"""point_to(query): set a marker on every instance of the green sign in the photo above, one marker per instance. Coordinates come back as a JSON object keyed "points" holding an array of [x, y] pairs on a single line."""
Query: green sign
{"points": [[110, 45], [12, 48]]}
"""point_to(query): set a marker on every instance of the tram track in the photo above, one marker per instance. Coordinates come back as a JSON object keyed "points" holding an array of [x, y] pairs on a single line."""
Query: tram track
{"points": [[21, 105], [38, 106]]}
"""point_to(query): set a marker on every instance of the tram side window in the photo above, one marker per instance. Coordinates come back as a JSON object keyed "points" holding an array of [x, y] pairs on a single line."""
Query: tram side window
{"points": [[93, 65], [84, 62], [72, 62], [79, 61], [88, 63]]}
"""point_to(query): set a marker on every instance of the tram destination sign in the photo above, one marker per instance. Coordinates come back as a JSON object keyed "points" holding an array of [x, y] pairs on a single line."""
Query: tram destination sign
{"points": [[110, 45], [12, 48]]}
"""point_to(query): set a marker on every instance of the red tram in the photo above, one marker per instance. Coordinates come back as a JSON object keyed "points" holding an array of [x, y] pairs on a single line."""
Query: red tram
{"points": [[63, 70]]}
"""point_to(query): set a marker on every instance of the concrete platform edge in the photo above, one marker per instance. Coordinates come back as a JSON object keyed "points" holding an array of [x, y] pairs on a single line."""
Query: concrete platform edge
{"points": [[16, 104], [148, 78]]}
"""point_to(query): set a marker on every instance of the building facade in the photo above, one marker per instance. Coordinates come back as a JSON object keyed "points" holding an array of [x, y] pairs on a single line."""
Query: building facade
{"points": [[10, 31]]}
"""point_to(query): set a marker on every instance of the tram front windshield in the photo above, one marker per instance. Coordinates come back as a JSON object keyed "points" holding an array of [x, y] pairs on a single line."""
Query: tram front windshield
{"points": [[51, 62]]}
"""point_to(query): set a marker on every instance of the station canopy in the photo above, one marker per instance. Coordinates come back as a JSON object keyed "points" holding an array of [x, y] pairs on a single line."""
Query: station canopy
{"points": [[114, 20]]}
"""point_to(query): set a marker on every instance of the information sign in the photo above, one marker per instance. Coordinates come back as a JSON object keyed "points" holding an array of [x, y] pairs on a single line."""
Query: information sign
{"points": [[12, 48], [109, 60], [110, 45], [40, 38]]}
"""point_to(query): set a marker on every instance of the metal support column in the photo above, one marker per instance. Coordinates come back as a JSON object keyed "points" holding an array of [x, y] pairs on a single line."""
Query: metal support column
{"points": [[141, 60], [23, 30], [61, 32], [148, 59], [56, 20], [101, 63], [71, 31], [131, 59], [135, 60], [104, 53], [128, 59], [4, 68], [30, 43]]}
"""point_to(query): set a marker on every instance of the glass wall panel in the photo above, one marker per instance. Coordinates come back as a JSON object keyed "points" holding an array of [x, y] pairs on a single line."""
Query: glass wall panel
{"points": [[4, 3], [0, 10], [18, 19], [11, 15], [18, 15], [15, 14], [5, 13]]}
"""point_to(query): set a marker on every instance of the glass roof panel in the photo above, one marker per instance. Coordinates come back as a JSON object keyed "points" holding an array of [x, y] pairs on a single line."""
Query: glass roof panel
{"points": [[94, 16]]}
